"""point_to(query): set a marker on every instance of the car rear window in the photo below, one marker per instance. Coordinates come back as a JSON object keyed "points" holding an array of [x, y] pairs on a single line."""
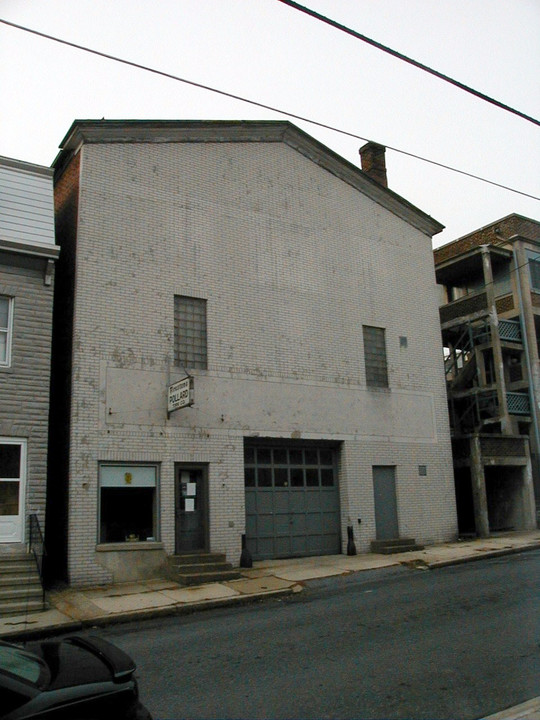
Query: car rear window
{"points": [[18, 663]]}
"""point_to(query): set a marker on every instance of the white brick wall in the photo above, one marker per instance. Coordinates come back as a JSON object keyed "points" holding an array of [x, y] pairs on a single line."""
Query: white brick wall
{"points": [[292, 261]]}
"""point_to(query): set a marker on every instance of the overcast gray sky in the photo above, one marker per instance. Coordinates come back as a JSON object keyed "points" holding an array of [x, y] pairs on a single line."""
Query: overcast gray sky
{"points": [[271, 53]]}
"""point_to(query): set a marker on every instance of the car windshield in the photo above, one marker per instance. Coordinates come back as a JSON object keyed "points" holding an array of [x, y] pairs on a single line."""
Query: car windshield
{"points": [[21, 664]]}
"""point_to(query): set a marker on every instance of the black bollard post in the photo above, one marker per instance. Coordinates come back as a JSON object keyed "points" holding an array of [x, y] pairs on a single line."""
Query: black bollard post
{"points": [[351, 547], [246, 560]]}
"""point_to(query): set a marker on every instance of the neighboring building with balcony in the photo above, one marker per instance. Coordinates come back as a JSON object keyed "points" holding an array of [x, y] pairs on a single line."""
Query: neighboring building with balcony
{"points": [[249, 260], [27, 262], [490, 319]]}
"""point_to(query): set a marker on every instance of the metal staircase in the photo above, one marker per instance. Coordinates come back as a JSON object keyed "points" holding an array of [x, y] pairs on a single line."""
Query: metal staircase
{"points": [[474, 404]]}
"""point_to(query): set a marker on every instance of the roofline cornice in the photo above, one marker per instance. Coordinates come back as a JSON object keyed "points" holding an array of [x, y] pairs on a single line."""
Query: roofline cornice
{"points": [[84, 132], [35, 249], [26, 166]]}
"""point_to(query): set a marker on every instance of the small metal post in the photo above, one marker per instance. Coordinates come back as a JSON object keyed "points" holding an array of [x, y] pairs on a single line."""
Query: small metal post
{"points": [[351, 547], [246, 561]]}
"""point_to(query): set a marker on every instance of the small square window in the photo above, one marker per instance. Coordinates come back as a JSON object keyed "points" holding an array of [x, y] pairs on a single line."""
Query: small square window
{"points": [[422, 470]]}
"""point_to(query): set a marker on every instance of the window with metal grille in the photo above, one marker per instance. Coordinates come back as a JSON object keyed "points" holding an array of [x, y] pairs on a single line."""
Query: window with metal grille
{"points": [[5, 329], [190, 332], [375, 356]]}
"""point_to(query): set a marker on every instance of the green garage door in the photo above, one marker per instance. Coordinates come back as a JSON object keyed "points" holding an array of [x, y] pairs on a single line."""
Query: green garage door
{"points": [[292, 501]]}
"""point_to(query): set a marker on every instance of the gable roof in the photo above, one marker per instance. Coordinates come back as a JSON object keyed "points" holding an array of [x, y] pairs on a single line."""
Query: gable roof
{"points": [[213, 131]]}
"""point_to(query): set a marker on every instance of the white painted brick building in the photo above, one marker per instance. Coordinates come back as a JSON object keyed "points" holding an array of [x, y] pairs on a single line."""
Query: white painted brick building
{"points": [[255, 260]]}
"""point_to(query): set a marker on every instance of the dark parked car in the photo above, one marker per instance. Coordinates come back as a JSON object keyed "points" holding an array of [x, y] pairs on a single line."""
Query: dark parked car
{"points": [[75, 678]]}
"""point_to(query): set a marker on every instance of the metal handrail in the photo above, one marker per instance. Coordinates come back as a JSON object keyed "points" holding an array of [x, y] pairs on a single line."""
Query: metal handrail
{"points": [[37, 545]]}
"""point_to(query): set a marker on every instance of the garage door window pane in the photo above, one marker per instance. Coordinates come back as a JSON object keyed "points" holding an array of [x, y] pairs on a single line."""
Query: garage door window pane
{"points": [[296, 457], [280, 456], [264, 457], [297, 477], [326, 457], [281, 477], [264, 477], [249, 477], [327, 477], [249, 455]]}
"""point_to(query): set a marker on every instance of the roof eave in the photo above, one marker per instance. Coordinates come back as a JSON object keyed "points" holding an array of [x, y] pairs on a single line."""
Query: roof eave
{"points": [[125, 131]]}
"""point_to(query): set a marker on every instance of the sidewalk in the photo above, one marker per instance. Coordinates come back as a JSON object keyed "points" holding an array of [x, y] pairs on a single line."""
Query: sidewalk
{"points": [[73, 609]]}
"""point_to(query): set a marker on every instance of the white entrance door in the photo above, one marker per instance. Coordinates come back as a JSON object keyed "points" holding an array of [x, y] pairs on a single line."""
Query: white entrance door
{"points": [[12, 489]]}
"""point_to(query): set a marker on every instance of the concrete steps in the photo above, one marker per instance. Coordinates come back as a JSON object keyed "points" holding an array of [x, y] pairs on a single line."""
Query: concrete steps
{"points": [[394, 546], [200, 568], [20, 586]]}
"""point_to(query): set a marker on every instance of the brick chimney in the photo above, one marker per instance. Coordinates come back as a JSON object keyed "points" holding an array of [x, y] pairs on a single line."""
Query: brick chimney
{"points": [[374, 163]]}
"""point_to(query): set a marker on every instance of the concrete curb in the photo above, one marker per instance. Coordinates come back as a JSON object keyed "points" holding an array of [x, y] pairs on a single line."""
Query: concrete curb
{"points": [[101, 621], [529, 710], [483, 556], [75, 623]]}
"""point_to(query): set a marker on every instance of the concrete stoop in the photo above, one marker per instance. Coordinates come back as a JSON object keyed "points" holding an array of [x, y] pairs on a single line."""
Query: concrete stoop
{"points": [[20, 586], [200, 568], [394, 546]]}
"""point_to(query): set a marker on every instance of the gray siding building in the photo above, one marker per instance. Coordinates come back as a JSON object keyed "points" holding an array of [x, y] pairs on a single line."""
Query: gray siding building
{"points": [[251, 350], [27, 258]]}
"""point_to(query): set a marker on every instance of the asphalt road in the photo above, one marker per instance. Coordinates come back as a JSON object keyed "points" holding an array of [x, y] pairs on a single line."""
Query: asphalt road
{"points": [[459, 642]]}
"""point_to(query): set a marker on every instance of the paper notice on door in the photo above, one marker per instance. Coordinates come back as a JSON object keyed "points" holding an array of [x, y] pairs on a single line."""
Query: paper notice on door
{"points": [[191, 489], [189, 505]]}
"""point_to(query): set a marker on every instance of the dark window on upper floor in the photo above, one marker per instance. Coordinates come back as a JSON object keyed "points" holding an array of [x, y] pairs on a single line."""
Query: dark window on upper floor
{"points": [[190, 332], [375, 356], [534, 268]]}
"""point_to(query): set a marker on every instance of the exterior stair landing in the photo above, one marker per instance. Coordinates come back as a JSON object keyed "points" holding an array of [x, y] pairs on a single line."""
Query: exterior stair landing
{"points": [[397, 545], [20, 586], [200, 568]]}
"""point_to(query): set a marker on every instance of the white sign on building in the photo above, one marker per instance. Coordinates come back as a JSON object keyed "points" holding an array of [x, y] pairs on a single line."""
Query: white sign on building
{"points": [[180, 394]]}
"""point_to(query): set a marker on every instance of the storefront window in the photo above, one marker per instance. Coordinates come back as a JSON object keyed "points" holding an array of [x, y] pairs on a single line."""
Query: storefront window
{"points": [[128, 503]]}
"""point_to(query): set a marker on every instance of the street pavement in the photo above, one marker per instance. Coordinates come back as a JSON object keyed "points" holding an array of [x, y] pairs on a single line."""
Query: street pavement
{"points": [[72, 609]]}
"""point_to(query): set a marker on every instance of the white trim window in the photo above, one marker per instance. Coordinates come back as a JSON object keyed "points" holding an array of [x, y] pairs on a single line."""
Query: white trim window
{"points": [[6, 321], [128, 502], [12, 489]]}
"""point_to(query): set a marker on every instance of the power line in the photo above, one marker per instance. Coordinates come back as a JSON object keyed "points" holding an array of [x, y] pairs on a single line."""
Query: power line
{"points": [[295, 116], [409, 60]]}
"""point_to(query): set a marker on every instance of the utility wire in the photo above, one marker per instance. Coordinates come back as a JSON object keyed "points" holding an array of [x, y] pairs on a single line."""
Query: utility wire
{"points": [[162, 73], [406, 59]]}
